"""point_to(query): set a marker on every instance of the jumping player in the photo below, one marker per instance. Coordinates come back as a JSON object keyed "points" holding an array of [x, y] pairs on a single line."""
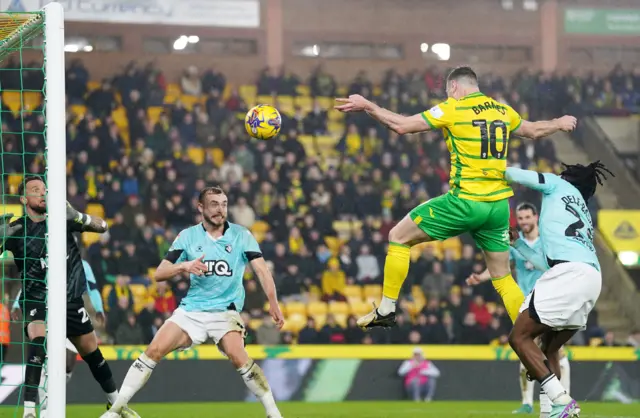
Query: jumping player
{"points": [[477, 130], [214, 253], [564, 295], [25, 238], [526, 275]]}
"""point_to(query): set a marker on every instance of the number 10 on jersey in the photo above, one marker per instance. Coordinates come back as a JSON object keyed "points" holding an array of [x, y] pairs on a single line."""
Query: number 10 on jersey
{"points": [[489, 138]]}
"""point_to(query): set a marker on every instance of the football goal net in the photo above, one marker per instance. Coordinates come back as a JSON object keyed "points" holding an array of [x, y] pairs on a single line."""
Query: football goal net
{"points": [[32, 136]]}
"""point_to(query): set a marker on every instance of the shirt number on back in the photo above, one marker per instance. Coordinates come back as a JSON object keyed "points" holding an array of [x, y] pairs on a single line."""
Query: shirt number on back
{"points": [[85, 315], [489, 138]]}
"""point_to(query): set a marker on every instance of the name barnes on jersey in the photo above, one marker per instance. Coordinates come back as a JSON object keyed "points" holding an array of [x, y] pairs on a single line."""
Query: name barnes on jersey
{"points": [[489, 105]]}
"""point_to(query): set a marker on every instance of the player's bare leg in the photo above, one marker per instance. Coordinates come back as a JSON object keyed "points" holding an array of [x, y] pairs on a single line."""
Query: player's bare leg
{"points": [[87, 346], [169, 338], [551, 344], [37, 353], [232, 344], [521, 339], [396, 267]]}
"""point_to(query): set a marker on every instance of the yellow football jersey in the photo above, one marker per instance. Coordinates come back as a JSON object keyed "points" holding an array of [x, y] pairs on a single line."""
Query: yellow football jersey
{"points": [[477, 130]]}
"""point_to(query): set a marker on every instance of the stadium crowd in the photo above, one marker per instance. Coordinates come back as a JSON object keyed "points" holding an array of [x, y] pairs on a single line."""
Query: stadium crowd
{"points": [[321, 198]]}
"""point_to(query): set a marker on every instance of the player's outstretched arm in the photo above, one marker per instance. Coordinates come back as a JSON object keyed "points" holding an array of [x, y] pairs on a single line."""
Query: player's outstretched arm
{"points": [[84, 222], [400, 124], [540, 129], [542, 182], [169, 269], [261, 269]]}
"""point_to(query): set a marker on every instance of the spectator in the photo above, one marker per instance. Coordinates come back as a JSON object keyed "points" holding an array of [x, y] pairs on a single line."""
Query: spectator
{"points": [[309, 334], [120, 290], [437, 282], [267, 333], [471, 333], [479, 308], [420, 376], [331, 332], [242, 213], [190, 81], [165, 301], [146, 319], [368, 267], [333, 281], [353, 333], [129, 332], [610, 340], [254, 299]]}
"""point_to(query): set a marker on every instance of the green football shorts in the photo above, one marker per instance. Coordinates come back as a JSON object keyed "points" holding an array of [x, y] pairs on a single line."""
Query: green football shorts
{"points": [[448, 216]]}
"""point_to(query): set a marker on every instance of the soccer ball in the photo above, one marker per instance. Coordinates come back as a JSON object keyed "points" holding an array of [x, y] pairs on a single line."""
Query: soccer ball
{"points": [[263, 122]]}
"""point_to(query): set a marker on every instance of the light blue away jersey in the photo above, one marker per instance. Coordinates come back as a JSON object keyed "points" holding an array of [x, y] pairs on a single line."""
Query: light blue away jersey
{"points": [[566, 230], [220, 288], [526, 272]]}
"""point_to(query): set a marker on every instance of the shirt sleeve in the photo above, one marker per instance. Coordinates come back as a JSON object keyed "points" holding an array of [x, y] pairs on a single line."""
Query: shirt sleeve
{"points": [[515, 120], [534, 257], [439, 116], [177, 253], [542, 182], [251, 247], [92, 288]]}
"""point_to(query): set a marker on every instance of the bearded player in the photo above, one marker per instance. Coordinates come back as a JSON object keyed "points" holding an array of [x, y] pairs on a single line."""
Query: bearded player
{"points": [[477, 130], [526, 275], [214, 253], [26, 239]]}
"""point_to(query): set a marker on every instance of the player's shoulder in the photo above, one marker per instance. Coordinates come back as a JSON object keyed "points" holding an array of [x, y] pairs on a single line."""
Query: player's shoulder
{"points": [[189, 232], [238, 230], [21, 220]]}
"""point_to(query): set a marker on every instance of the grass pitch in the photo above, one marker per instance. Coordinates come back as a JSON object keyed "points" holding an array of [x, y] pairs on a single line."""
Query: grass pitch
{"points": [[340, 410]]}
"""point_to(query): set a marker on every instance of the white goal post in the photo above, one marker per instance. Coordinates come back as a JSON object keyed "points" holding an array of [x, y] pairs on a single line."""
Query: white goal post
{"points": [[56, 161]]}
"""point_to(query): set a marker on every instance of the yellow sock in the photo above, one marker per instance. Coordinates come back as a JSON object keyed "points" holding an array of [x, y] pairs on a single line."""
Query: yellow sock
{"points": [[511, 295], [396, 268]]}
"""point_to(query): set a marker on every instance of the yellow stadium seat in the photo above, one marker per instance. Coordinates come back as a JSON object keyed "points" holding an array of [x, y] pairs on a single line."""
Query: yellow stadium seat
{"points": [[95, 209], [14, 180], [151, 272], [372, 291], [170, 98], [254, 324], [303, 90], [174, 89], [264, 99], [353, 291], [342, 91], [595, 342], [93, 85], [196, 154], [296, 308], [295, 323], [32, 99], [336, 128], [333, 244], [360, 308], [154, 113], [411, 307], [12, 99], [105, 291], [79, 110], [190, 101], [89, 239], [260, 227], [317, 308], [248, 92], [120, 117], [325, 103], [217, 155], [342, 227], [320, 320], [338, 308], [285, 101], [341, 319], [304, 102]]}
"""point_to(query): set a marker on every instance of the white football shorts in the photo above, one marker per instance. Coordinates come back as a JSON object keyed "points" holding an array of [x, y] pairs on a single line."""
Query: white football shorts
{"points": [[564, 295], [202, 325]]}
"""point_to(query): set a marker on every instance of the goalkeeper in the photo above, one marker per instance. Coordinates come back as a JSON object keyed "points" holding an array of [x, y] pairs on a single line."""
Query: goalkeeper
{"points": [[25, 238], [72, 352]]}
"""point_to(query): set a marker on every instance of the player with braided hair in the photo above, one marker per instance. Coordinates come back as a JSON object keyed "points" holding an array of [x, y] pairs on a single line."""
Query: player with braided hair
{"points": [[567, 291]]}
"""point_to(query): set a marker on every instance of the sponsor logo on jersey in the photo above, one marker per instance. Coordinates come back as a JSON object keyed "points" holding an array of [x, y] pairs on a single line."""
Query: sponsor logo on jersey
{"points": [[436, 112], [218, 268]]}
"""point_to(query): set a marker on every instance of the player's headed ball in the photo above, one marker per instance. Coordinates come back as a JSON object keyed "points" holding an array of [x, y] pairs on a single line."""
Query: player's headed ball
{"points": [[263, 122]]}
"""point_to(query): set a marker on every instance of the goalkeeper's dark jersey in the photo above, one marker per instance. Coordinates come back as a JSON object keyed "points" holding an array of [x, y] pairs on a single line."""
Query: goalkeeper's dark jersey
{"points": [[29, 248]]}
